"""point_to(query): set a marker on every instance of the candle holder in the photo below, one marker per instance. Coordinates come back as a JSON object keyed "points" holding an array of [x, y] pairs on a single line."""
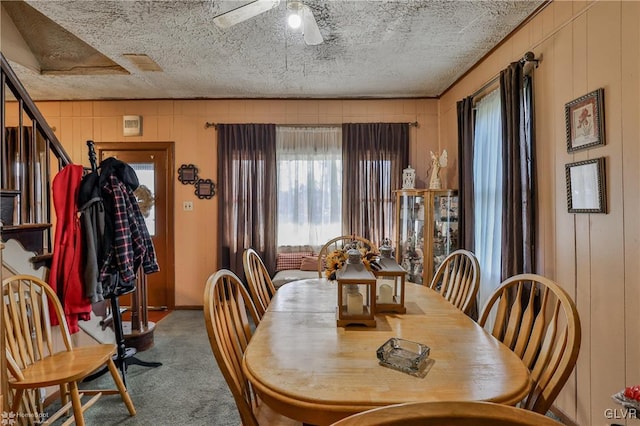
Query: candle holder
{"points": [[390, 279], [356, 292]]}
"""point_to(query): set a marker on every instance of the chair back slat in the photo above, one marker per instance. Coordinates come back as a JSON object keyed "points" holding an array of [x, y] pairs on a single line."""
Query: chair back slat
{"points": [[515, 315], [537, 332], [226, 302], [554, 361], [547, 329], [28, 324], [11, 343], [258, 279], [501, 314], [457, 279], [526, 324], [451, 287], [548, 344], [21, 327], [543, 377], [37, 325], [446, 284]]}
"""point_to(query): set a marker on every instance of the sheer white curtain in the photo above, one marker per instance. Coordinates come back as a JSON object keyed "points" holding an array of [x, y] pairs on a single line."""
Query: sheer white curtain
{"points": [[487, 175], [309, 184]]}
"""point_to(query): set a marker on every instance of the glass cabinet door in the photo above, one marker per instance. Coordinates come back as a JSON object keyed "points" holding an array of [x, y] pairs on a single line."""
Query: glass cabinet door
{"points": [[445, 226], [426, 230], [410, 236]]}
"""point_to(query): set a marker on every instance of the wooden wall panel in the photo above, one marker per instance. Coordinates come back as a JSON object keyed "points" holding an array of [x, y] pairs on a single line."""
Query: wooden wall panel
{"points": [[606, 231], [578, 77], [630, 78], [565, 258], [545, 159]]}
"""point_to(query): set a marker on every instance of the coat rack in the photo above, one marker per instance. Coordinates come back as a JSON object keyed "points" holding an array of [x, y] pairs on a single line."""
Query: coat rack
{"points": [[125, 355]]}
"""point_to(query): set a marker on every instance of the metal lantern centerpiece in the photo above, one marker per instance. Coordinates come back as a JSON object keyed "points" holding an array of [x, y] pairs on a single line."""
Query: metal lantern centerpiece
{"points": [[390, 282], [356, 292]]}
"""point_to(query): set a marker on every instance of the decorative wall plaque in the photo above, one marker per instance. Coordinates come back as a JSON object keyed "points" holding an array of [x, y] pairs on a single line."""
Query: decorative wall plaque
{"points": [[205, 188], [188, 174]]}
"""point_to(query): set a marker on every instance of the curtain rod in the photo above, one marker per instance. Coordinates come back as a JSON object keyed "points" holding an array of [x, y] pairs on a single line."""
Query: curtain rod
{"points": [[209, 124], [528, 57], [484, 87]]}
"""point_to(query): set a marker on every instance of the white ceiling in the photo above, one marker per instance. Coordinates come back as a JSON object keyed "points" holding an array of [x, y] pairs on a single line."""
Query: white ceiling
{"points": [[371, 49]]}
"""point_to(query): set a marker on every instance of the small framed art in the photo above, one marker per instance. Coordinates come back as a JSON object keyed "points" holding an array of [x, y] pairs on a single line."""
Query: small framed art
{"points": [[585, 121], [205, 189], [188, 174], [586, 189]]}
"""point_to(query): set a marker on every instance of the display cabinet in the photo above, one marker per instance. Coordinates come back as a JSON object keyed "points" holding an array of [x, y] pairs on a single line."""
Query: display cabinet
{"points": [[426, 230]]}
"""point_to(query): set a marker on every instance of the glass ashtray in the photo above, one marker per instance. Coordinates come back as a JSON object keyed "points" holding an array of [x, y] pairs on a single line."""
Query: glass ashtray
{"points": [[404, 355]]}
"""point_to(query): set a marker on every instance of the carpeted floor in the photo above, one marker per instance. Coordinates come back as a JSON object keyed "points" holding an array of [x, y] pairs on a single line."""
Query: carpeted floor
{"points": [[188, 389]]}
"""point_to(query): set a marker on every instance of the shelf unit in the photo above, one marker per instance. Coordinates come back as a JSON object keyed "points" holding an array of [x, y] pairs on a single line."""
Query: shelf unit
{"points": [[426, 230]]}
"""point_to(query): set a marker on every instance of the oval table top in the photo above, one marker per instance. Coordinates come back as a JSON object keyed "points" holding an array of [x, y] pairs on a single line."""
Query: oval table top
{"points": [[305, 367]]}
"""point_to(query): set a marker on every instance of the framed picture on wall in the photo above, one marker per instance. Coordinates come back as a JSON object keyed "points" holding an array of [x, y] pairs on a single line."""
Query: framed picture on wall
{"points": [[585, 121], [586, 189], [188, 174], [205, 188]]}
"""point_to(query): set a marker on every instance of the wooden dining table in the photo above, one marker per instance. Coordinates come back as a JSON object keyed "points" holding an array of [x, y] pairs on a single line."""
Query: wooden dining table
{"points": [[305, 367]]}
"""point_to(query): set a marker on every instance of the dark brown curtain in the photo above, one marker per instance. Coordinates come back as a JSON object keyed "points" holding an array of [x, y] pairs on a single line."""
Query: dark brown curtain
{"points": [[248, 193], [465, 183], [373, 156], [465, 174], [518, 190]]}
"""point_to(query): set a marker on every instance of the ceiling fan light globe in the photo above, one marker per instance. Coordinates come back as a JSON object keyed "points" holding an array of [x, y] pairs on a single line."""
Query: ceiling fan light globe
{"points": [[294, 20]]}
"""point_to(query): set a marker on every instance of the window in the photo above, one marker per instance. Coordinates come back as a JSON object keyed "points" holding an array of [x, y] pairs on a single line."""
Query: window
{"points": [[145, 194], [487, 177], [309, 168]]}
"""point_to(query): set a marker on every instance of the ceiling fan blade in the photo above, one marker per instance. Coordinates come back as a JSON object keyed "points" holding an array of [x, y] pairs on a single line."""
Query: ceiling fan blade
{"points": [[312, 34], [244, 12]]}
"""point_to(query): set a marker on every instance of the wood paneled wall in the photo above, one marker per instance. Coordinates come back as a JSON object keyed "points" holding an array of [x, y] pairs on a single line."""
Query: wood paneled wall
{"points": [[183, 122], [595, 257]]}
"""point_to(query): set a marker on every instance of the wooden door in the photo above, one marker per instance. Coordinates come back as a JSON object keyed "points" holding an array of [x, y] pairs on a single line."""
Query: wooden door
{"points": [[153, 163]]}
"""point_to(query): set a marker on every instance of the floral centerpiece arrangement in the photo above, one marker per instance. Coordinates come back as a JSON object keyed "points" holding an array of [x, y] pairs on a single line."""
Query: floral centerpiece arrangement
{"points": [[337, 258]]}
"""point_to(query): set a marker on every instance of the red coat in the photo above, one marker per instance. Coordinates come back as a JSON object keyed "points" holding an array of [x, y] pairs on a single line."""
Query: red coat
{"points": [[65, 276]]}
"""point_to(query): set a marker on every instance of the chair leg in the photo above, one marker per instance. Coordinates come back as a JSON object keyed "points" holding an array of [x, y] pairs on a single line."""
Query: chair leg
{"points": [[31, 402], [126, 398], [64, 395], [77, 404], [17, 398]]}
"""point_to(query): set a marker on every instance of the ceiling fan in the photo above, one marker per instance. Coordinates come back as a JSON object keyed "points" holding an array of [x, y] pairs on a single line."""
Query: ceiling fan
{"points": [[310, 29]]}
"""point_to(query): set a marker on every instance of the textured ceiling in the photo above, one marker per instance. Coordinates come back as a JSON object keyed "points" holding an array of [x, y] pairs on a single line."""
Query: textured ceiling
{"points": [[378, 49]]}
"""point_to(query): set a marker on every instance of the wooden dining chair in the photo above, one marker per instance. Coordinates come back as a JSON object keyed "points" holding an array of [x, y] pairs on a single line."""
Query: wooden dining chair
{"points": [[447, 413], [537, 319], [339, 243], [458, 279], [226, 304], [259, 281], [34, 362]]}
